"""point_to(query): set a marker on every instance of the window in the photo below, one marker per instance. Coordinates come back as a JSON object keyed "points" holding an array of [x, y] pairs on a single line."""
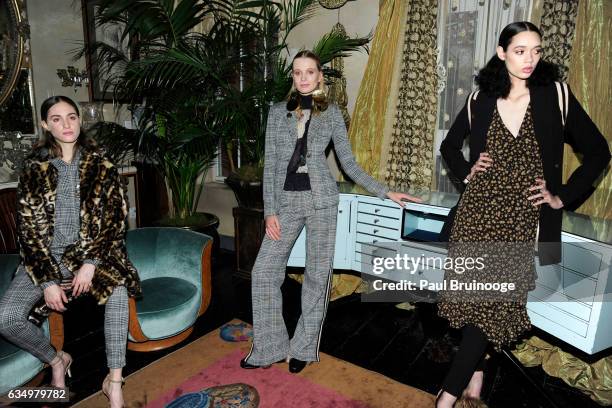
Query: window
{"points": [[223, 165], [467, 36]]}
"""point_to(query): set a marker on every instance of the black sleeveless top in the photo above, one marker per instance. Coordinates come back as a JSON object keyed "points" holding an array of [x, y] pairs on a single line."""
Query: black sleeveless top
{"points": [[299, 181]]}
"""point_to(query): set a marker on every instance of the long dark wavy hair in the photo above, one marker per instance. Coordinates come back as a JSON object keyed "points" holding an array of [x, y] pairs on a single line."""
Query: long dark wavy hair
{"points": [[319, 99], [494, 79], [46, 146]]}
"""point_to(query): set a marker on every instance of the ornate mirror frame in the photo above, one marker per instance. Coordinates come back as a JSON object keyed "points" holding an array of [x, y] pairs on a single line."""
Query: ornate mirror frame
{"points": [[16, 138], [17, 32]]}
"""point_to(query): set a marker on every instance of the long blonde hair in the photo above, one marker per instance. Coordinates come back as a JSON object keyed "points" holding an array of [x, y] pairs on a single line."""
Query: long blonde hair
{"points": [[320, 101]]}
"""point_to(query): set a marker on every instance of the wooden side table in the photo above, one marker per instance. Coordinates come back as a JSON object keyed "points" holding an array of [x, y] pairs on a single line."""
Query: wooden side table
{"points": [[249, 230]]}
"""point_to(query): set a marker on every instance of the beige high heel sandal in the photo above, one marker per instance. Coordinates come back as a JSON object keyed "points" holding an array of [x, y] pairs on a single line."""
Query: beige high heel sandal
{"points": [[64, 358], [106, 383], [438, 396]]}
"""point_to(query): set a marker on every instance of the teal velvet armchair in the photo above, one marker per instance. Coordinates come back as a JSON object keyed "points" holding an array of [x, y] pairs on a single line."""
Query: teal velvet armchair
{"points": [[174, 266], [17, 367]]}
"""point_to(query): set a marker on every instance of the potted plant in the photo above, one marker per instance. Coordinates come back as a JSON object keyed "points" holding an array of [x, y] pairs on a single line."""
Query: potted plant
{"points": [[197, 88], [179, 83]]}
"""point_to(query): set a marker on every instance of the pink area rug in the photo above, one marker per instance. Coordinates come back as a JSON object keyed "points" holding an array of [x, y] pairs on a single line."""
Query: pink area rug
{"points": [[210, 361], [276, 386]]}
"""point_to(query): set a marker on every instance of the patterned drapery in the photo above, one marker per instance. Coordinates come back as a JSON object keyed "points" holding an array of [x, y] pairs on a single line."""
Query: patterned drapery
{"points": [[375, 98], [558, 23], [593, 88], [410, 163]]}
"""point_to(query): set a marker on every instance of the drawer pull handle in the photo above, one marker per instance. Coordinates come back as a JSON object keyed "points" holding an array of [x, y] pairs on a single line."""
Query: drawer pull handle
{"points": [[375, 231], [376, 210], [374, 241], [340, 211], [376, 220]]}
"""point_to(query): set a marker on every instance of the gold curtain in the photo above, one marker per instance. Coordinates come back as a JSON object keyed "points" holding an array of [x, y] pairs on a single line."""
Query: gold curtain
{"points": [[593, 88], [373, 102], [592, 379], [410, 163], [537, 8], [557, 24]]}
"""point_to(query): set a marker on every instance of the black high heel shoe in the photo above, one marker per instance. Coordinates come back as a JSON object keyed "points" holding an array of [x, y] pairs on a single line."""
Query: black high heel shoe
{"points": [[295, 365], [247, 366]]}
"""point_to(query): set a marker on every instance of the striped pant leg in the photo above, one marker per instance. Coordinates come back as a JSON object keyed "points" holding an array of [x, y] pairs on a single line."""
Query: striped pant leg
{"points": [[15, 305], [320, 243], [270, 338], [116, 316]]}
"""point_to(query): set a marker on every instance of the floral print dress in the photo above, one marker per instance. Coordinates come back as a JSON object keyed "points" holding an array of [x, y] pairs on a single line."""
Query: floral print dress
{"points": [[496, 222]]}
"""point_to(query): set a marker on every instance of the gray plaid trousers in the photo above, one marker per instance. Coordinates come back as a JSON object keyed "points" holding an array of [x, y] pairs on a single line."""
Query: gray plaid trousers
{"points": [[22, 295], [270, 339]]}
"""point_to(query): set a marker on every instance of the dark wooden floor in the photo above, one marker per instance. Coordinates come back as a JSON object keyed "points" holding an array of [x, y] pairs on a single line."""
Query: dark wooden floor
{"points": [[410, 346]]}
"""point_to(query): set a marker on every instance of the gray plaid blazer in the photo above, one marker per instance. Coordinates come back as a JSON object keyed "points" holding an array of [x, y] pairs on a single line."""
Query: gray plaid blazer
{"points": [[281, 135]]}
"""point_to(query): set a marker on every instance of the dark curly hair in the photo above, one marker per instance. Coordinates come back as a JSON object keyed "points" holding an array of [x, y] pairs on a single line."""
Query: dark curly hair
{"points": [[494, 79], [46, 146]]}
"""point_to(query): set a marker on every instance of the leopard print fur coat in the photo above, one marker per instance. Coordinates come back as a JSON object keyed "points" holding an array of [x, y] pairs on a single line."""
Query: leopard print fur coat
{"points": [[103, 223]]}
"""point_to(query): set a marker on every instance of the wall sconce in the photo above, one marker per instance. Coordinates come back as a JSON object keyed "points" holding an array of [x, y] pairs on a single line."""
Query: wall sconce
{"points": [[71, 76]]}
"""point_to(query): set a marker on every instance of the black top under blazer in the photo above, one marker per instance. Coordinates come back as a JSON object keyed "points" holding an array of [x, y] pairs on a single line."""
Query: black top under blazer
{"points": [[325, 126], [580, 132]]}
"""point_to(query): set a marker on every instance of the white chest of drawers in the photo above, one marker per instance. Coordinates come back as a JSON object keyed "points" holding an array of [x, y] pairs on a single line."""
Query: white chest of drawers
{"points": [[571, 301]]}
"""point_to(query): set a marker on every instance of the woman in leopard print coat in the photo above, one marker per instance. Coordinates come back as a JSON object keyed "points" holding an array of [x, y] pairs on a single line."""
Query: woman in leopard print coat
{"points": [[71, 227]]}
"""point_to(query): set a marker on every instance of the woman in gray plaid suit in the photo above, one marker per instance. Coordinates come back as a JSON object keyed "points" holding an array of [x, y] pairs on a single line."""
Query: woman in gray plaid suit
{"points": [[71, 218], [299, 191]]}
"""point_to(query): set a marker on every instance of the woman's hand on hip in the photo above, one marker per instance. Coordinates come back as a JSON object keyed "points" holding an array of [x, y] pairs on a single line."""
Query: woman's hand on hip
{"points": [[482, 164], [55, 298], [543, 195], [81, 283], [401, 198], [273, 227]]}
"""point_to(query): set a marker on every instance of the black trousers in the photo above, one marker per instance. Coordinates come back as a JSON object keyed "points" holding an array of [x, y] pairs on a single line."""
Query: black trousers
{"points": [[469, 358]]}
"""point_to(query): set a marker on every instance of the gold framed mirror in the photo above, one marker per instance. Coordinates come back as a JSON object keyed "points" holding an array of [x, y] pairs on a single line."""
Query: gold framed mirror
{"points": [[17, 111], [12, 47]]}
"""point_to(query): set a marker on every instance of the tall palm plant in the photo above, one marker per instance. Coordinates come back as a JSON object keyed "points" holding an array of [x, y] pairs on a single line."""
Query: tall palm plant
{"points": [[207, 70], [269, 79], [178, 78]]}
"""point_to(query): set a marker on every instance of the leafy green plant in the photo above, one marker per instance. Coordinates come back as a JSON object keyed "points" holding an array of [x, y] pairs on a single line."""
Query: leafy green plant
{"points": [[202, 72], [181, 123]]}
